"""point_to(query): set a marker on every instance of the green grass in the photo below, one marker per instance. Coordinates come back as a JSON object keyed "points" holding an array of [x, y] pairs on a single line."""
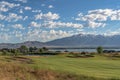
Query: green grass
{"points": [[98, 66], [92, 68]]}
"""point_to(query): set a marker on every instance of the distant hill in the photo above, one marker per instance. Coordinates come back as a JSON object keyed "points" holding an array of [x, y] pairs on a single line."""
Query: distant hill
{"points": [[72, 41], [27, 43]]}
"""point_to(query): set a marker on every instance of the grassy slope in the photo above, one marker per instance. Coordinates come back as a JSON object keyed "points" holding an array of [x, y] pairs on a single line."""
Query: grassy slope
{"points": [[97, 67]]}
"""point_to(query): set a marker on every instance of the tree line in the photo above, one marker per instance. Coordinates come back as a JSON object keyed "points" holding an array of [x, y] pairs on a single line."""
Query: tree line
{"points": [[23, 50]]}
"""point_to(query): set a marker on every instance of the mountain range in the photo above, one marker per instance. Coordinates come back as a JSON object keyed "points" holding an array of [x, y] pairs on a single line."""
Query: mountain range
{"points": [[80, 40]]}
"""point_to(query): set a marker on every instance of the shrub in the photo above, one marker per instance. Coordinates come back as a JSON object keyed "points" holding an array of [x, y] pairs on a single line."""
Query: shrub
{"points": [[99, 50]]}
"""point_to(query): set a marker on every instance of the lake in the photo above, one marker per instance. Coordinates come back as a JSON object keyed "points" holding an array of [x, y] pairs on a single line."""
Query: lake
{"points": [[83, 50]]}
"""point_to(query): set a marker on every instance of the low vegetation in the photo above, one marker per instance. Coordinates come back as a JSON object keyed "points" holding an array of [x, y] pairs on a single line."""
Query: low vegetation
{"points": [[24, 50], [39, 64]]}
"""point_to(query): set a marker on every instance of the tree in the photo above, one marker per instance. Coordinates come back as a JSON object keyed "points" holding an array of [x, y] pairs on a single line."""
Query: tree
{"points": [[14, 52], [23, 49], [99, 49], [30, 49], [33, 49], [41, 50], [45, 49]]}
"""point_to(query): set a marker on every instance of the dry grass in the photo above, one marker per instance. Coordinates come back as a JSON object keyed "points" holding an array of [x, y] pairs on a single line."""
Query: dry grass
{"points": [[15, 70], [11, 71]]}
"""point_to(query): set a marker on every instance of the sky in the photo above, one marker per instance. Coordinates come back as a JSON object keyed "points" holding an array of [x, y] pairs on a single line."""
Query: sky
{"points": [[46, 20]]}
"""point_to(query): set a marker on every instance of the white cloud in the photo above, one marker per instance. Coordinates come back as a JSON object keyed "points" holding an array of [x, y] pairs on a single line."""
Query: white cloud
{"points": [[18, 26], [32, 35], [106, 12], [21, 11], [27, 8], [4, 29], [35, 24], [93, 24], [4, 37], [23, 1], [53, 34], [13, 17], [100, 15], [50, 6], [110, 32], [47, 16], [52, 24], [2, 17], [36, 11], [49, 26], [48, 20], [95, 15], [18, 34], [43, 35], [6, 6], [3, 9]]}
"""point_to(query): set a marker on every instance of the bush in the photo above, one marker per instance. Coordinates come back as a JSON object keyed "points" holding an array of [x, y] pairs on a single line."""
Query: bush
{"points": [[99, 50]]}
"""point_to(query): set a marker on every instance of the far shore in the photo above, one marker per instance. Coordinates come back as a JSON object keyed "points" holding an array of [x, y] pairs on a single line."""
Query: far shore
{"points": [[79, 47]]}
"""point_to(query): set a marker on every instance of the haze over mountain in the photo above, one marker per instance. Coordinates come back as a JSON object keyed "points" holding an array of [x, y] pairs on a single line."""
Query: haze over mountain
{"points": [[80, 40]]}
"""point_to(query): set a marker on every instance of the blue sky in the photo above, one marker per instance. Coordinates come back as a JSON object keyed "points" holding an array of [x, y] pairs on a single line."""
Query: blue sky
{"points": [[45, 20]]}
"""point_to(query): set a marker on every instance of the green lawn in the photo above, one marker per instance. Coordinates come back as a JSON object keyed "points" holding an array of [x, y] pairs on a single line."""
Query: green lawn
{"points": [[97, 66]]}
